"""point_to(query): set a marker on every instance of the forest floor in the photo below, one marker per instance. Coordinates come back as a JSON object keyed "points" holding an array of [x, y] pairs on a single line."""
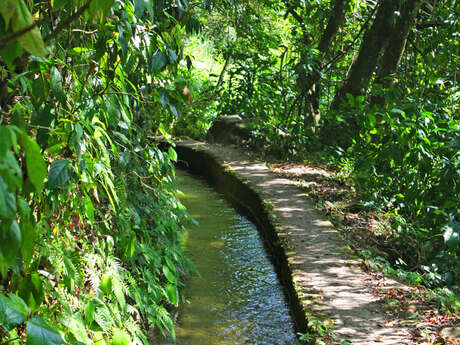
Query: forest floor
{"points": [[346, 298]]}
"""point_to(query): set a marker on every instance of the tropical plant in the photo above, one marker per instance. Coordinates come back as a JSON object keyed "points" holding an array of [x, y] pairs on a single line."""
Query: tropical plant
{"points": [[91, 228]]}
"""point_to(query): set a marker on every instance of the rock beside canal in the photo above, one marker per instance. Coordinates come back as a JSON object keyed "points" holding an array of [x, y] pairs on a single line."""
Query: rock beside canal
{"points": [[230, 129]]}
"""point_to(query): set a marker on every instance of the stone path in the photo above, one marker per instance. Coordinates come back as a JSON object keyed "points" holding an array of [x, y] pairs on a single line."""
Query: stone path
{"points": [[329, 283]]}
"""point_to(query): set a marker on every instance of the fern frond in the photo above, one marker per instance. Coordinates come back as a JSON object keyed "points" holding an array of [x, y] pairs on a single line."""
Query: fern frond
{"points": [[103, 318], [119, 289]]}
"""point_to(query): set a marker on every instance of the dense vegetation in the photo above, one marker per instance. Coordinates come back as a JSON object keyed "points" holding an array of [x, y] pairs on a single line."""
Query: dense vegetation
{"points": [[368, 86], [91, 228], [90, 240]]}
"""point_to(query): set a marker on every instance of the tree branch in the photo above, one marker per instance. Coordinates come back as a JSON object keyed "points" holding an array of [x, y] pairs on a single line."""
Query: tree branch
{"points": [[431, 24], [300, 20], [342, 53], [15, 35], [68, 21], [414, 45]]}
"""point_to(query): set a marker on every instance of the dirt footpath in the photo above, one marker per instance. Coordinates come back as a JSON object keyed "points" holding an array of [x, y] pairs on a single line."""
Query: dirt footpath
{"points": [[330, 285]]}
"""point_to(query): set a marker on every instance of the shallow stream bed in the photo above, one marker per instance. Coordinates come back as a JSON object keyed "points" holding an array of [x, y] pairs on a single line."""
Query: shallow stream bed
{"points": [[238, 299]]}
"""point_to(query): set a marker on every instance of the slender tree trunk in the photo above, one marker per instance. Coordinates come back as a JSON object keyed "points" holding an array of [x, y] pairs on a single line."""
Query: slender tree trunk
{"points": [[364, 65], [395, 48], [312, 91], [335, 21]]}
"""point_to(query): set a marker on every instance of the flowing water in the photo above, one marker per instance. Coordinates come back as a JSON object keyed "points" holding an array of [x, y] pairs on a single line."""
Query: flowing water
{"points": [[238, 299]]}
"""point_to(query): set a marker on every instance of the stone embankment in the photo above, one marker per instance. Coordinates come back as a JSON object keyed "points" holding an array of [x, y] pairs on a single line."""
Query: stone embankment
{"points": [[320, 278]]}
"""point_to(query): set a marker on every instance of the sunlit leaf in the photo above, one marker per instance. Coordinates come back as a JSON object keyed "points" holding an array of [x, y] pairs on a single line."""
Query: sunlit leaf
{"points": [[169, 275], [120, 337], [171, 292], [451, 238], [36, 168], [32, 40], [28, 240]]}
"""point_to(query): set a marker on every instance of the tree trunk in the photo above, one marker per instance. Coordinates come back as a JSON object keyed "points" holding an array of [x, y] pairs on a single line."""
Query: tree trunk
{"points": [[335, 21], [312, 90], [395, 48], [374, 41]]}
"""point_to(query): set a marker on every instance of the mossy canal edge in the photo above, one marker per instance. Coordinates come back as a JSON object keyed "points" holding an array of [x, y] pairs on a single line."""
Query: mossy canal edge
{"points": [[247, 199]]}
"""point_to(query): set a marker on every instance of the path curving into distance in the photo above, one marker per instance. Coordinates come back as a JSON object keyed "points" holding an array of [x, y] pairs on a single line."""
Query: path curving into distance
{"points": [[320, 278]]}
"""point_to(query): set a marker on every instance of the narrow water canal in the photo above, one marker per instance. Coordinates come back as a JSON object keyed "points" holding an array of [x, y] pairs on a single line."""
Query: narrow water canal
{"points": [[238, 299]]}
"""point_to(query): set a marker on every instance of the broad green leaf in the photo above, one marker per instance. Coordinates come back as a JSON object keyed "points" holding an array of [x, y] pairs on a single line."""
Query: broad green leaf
{"points": [[125, 158], [23, 208], [18, 117], [10, 243], [36, 168], [170, 264], [90, 308], [13, 311], [31, 291], [59, 173], [172, 56], [99, 9], [44, 114], [77, 134], [56, 84], [171, 293], [140, 6], [8, 10], [32, 40], [398, 111], [98, 338], [58, 4], [120, 337], [106, 283], [89, 208], [10, 53], [7, 202], [5, 141], [159, 61], [39, 333], [11, 171], [172, 154], [174, 110], [75, 325], [28, 241], [169, 275]]}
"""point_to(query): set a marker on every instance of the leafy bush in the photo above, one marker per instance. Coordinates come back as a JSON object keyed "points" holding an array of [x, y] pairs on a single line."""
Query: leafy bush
{"points": [[90, 226], [409, 163]]}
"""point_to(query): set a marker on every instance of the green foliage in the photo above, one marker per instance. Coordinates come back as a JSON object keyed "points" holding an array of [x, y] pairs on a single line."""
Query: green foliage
{"points": [[13, 311], [90, 226], [399, 142], [39, 333], [17, 15], [410, 164]]}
